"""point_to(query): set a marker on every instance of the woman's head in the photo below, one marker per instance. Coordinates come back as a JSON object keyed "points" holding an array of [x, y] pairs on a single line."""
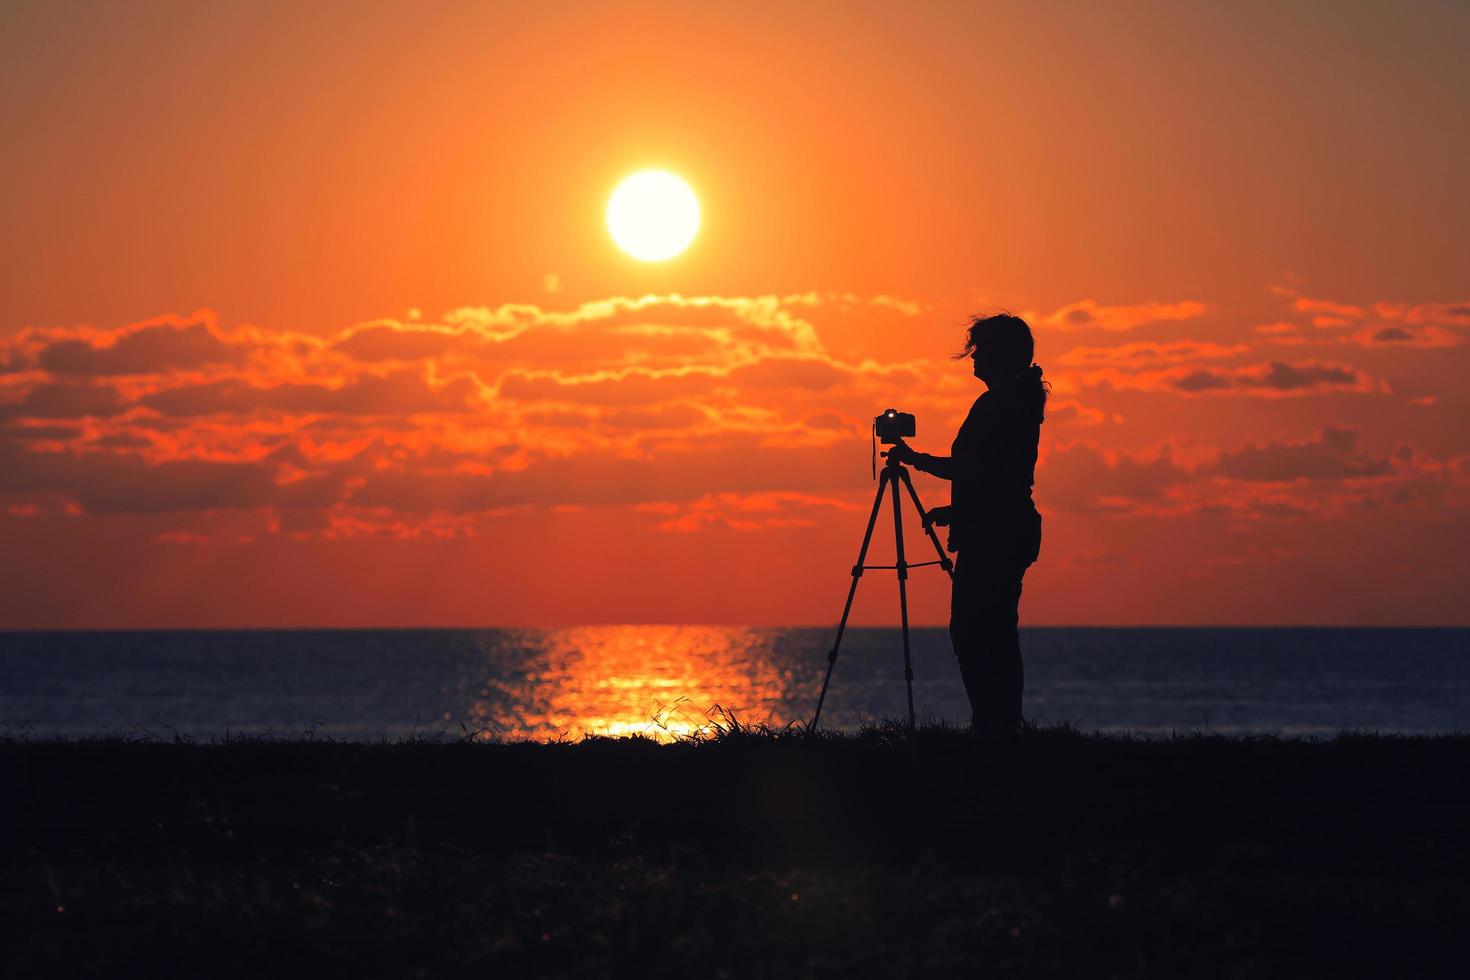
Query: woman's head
{"points": [[1002, 348]]}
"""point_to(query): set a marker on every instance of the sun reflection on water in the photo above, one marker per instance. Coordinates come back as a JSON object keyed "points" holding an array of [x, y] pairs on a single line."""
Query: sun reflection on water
{"points": [[658, 681]]}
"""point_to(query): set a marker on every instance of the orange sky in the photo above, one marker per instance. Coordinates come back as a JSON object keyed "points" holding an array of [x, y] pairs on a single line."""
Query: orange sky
{"points": [[310, 317]]}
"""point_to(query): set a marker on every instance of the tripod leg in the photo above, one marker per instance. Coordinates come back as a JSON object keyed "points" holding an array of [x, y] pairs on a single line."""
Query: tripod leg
{"points": [[857, 573], [903, 596], [944, 559]]}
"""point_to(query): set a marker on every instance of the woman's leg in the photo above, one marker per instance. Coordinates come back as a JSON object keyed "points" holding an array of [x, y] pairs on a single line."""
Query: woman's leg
{"points": [[984, 615]]}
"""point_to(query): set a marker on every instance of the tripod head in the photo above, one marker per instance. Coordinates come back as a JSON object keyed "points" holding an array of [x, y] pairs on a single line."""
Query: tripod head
{"points": [[890, 461]]}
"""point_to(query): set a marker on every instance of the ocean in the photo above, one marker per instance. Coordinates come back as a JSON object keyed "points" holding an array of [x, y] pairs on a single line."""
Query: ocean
{"points": [[667, 681]]}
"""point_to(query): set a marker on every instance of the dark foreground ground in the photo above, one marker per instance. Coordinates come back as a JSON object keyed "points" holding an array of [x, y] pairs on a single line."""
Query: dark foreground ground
{"points": [[744, 856]]}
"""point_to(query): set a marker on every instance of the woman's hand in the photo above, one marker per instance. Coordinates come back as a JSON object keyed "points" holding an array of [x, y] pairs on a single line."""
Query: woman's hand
{"points": [[902, 452], [938, 516]]}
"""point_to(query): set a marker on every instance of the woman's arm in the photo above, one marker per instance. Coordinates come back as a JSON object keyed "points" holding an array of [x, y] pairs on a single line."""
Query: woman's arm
{"points": [[940, 466]]}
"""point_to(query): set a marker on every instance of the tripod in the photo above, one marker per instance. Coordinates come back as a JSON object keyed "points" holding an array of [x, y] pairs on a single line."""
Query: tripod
{"points": [[895, 473]]}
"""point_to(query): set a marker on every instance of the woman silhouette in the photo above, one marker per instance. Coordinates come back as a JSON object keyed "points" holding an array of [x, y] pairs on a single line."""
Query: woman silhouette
{"points": [[994, 526]]}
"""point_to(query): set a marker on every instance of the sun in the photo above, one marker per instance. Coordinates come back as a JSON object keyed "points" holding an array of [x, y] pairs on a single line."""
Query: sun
{"points": [[653, 215]]}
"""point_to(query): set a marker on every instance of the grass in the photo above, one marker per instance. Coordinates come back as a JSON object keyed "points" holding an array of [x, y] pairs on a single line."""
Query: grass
{"points": [[741, 852]]}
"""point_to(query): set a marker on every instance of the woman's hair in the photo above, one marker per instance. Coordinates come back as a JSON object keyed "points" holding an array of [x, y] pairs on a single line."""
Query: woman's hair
{"points": [[1010, 340]]}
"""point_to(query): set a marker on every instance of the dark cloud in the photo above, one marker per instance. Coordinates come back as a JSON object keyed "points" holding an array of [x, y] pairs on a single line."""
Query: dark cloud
{"points": [[1331, 456], [122, 440], [114, 483], [597, 333], [1067, 412], [1389, 335], [46, 432], [669, 417], [148, 350], [108, 483], [731, 464], [1422, 335], [388, 478], [596, 344], [382, 342], [1107, 559], [825, 420], [1286, 377], [629, 388], [399, 393], [641, 387], [1080, 478], [1202, 381], [1089, 314], [810, 373], [1148, 353], [559, 418], [217, 397], [184, 485], [66, 401], [1275, 376]]}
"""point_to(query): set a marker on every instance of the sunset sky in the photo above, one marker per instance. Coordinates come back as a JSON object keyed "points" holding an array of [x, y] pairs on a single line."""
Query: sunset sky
{"points": [[309, 315]]}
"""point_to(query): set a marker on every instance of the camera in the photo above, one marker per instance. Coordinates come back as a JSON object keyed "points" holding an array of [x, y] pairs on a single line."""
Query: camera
{"points": [[892, 425]]}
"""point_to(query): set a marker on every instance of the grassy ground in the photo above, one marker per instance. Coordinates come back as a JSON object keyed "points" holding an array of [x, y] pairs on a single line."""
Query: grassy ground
{"points": [[749, 854]]}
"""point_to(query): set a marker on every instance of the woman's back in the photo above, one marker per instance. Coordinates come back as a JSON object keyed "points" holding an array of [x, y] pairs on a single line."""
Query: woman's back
{"points": [[994, 468]]}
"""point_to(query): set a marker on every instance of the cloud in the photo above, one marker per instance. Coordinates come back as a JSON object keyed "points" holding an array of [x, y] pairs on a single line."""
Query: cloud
{"points": [[1203, 381], [1107, 560], [1088, 314], [729, 412], [47, 433], [734, 463], [123, 440], [389, 341], [1084, 478], [1330, 456], [406, 392], [747, 512], [756, 324], [1327, 475], [634, 386], [1072, 412], [616, 401], [180, 537], [642, 385], [165, 344], [1279, 378], [1441, 314], [675, 416], [813, 374], [1327, 313], [1273, 379], [1429, 325], [105, 483], [1395, 335], [1284, 377], [1150, 353], [65, 401], [827, 420], [351, 522]]}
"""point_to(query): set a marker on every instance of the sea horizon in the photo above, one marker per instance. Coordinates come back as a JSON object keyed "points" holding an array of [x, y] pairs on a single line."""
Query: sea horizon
{"points": [[724, 625], [671, 680]]}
